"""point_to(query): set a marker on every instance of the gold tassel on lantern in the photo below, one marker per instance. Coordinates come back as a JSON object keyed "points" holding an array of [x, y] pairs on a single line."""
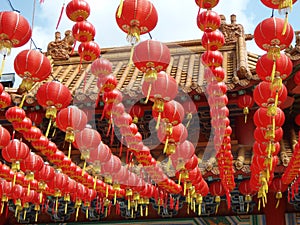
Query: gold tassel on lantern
{"points": [[246, 112], [119, 13], [217, 200], [2, 65], [278, 197]]}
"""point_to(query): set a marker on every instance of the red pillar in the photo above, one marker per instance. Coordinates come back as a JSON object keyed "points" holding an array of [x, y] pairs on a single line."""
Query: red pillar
{"points": [[275, 215]]}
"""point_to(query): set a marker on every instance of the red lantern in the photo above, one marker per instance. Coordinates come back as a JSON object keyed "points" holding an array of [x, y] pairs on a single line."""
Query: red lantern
{"points": [[107, 83], [265, 67], [15, 30], [151, 57], [213, 41], [78, 10], [278, 187], [36, 117], [32, 66], [59, 183], [101, 67], [4, 137], [5, 100], [280, 4], [5, 192], [216, 89], [136, 111], [15, 114], [163, 89], [83, 31], [212, 58], [15, 152], [45, 174], [173, 113], [22, 126], [136, 17], [245, 102], [269, 37], [54, 96], [208, 21], [40, 144], [192, 163], [183, 153], [123, 120], [217, 189], [71, 120], [207, 4], [89, 51], [1, 88], [99, 155], [266, 149], [263, 135], [112, 166], [263, 119], [57, 157]]}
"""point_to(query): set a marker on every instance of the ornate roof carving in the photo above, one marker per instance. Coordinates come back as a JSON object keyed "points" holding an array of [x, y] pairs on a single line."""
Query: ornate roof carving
{"points": [[294, 52]]}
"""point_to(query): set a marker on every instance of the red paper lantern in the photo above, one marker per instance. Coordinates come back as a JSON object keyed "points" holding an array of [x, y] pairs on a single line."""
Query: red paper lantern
{"points": [[45, 174], [213, 41], [183, 153], [36, 117], [173, 113], [280, 4], [15, 152], [216, 88], [40, 144], [263, 119], [136, 17], [101, 67], [269, 37], [263, 149], [123, 120], [136, 111], [99, 155], [217, 189], [87, 140], [107, 83], [22, 126], [112, 166], [71, 120], [15, 114], [264, 96], [207, 4], [208, 21], [59, 183], [78, 10], [151, 57], [83, 31], [264, 135], [212, 58], [89, 51], [15, 30], [5, 100], [192, 163], [57, 157], [32, 66], [245, 102], [54, 96], [265, 64], [1, 88], [5, 190], [4, 137]]}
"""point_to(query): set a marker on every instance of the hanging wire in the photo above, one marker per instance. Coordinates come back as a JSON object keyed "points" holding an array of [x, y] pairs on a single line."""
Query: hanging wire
{"points": [[32, 20], [272, 13], [150, 35], [11, 6]]}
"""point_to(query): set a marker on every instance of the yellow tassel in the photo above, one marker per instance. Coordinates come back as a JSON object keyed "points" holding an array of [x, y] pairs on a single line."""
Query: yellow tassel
{"points": [[120, 9], [66, 207], [179, 179], [106, 192], [199, 209], [36, 216], [158, 121], [22, 101], [258, 207], [95, 182], [24, 215], [28, 190], [148, 94], [217, 208], [84, 167], [48, 128], [69, 152], [189, 117], [286, 21], [248, 205], [14, 180], [273, 126], [273, 71], [115, 198], [56, 204], [146, 211], [2, 65], [2, 207], [184, 188], [128, 202], [87, 213], [41, 196], [106, 212], [166, 145], [141, 209], [77, 212]]}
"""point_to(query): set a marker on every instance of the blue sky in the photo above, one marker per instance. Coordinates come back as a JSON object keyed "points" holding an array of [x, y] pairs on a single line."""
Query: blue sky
{"points": [[176, 20]]}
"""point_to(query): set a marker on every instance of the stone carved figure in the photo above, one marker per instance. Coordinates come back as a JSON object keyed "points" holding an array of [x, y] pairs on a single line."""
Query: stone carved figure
{"points": [[60, 49]]}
